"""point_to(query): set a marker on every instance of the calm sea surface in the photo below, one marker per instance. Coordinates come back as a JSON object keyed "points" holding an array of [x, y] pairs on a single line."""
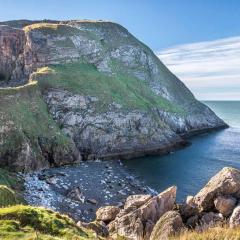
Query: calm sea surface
{"points": [[190, 168]]}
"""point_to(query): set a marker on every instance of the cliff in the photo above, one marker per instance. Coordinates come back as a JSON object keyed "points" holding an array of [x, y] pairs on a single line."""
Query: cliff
{"points": [[105, 92]]}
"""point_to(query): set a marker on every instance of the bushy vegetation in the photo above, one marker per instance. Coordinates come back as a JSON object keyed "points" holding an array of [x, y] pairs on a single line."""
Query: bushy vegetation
{"points": [[8, 179], [10, 187], [8, 197], [26, 222], [84, 78]]}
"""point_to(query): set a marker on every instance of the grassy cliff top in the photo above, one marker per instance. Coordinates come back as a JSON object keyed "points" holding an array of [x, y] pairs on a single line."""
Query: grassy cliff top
{"points": [[26, 222], [24, 118]]}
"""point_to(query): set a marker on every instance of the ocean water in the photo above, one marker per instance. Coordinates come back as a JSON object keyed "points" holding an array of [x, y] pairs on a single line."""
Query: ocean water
{"points": [[191, 168]]}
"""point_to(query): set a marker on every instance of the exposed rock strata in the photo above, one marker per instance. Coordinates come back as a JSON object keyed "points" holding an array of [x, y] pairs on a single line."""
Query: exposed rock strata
{"points": [[99, 127]]}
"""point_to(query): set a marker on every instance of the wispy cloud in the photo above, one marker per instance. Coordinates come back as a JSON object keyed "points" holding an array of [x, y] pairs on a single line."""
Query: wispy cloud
{"points": [[210, 69]]}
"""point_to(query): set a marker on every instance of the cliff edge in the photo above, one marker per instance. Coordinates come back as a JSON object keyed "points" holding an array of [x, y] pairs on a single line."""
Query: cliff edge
{"points": [[104, 92]]}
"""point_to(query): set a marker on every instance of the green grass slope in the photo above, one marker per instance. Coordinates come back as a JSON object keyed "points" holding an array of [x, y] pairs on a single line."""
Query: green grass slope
{"points": [[84, 78], [10, 189], [9, 179], [8, 197], [26, 222], [24, 118]]}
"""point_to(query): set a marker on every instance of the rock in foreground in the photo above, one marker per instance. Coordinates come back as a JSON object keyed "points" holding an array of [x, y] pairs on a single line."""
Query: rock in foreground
{"points": [[138, 223], [226, 183], [169, 224], [158, 218]]}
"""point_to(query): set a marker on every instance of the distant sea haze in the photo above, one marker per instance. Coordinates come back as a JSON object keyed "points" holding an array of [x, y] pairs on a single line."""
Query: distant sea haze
{"points": [[192, 167], [210, 69]]}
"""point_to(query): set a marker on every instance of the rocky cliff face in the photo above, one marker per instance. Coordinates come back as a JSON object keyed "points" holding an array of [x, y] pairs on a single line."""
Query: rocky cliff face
{"points": [[12, 43], [107, 91]]}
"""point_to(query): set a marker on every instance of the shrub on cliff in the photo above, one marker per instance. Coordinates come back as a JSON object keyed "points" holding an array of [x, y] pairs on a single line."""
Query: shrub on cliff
{"points": [[8, 197]]}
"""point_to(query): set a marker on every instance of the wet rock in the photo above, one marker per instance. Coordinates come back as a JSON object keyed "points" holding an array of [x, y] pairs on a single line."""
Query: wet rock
{"points": [[107, 214], [225, 205], [226, 182], [92, 201], [169, 224], [76, 195], [51, 180], [234, 220], [133, 224], [122, 192]]}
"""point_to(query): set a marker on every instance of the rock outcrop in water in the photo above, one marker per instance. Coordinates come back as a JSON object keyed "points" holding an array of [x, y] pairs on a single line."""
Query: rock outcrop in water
{"points": [[106, 95]]}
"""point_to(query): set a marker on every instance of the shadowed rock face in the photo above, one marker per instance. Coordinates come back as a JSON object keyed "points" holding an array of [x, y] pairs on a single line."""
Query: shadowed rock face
{"points": [[12, 43], [158, 106]]}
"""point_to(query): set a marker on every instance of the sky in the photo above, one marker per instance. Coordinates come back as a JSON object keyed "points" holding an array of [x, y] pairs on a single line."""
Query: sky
{"points": [[161, 24], [210, 69]]}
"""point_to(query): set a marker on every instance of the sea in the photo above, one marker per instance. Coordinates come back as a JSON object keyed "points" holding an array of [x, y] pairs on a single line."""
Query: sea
{"points": [[192, 167]]}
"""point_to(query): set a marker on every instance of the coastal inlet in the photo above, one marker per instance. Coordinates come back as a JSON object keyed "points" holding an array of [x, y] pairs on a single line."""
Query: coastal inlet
{"points": [[79, 190]]}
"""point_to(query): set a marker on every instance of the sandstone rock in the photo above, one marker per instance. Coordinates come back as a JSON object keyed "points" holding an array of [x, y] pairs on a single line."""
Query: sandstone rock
{"points": [[133, 202], [225, 205], [133, 224], [98, 227], [149, 225], [210, 219], [169, 224], [226, 182], [107, 214], [188, 210], [234, 220]]}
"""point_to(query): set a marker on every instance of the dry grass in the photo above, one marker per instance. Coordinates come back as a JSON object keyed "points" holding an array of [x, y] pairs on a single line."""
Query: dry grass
{"points": [[217, 233]]}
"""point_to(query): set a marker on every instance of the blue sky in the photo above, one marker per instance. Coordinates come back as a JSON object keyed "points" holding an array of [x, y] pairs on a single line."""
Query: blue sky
{"points": [[158, 23], [169, 27]]}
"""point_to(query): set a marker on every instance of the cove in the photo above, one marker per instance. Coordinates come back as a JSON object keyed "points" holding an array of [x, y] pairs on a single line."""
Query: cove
{"points": [[190, 168]]}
